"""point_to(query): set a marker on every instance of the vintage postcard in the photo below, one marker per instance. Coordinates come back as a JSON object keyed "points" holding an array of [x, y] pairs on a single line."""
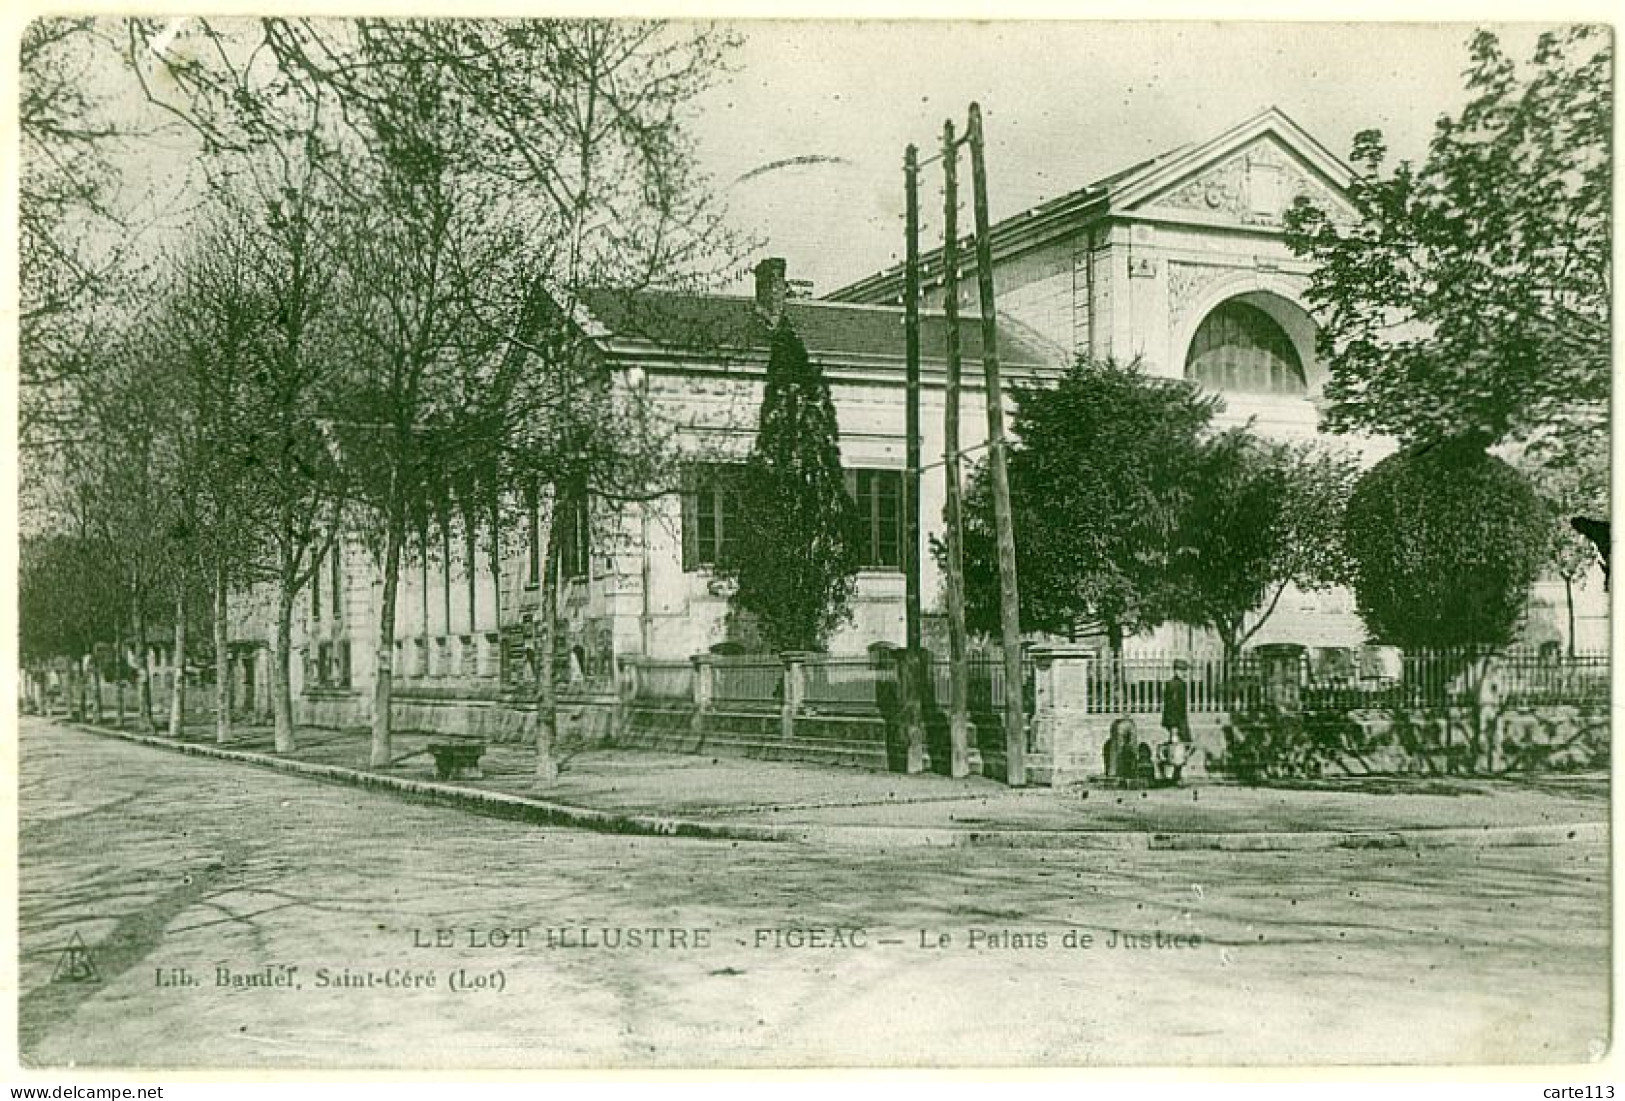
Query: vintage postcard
{"points": [[612, 544]]}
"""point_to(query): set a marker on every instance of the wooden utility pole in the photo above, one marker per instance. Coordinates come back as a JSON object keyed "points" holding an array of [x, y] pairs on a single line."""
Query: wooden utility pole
{"points": [[1015, 715], [912, 670], [911, 339], [959, 706]]}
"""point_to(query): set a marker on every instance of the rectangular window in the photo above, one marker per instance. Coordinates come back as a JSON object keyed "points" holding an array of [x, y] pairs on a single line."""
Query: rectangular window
{"points": [[533, 540], [710, 513], [316, 593], [879, 497], [572, 531], [337, 601]]}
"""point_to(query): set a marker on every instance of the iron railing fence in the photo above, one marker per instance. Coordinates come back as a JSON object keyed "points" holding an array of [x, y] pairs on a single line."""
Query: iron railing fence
{"points": [[1136, 684], [1216, 685], [1346, 679], [747, 682], [984, 683], [1462, 678], [849, 684]]}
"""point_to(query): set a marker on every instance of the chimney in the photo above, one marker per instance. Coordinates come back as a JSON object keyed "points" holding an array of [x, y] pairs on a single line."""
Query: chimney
{"points": [[771, 290]]}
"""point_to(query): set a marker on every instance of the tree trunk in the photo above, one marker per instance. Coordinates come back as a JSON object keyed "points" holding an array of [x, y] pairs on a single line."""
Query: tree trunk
{"points": [[143, 666], [1486, 722], [118, 680], [496, 583], [177, 694], [222, 661], [1114, 643], [281, 679], [547, 696], [382, 753]]}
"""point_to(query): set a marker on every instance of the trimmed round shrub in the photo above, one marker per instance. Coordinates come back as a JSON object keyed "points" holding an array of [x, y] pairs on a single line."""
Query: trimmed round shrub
{"points": [[1446, 541]]}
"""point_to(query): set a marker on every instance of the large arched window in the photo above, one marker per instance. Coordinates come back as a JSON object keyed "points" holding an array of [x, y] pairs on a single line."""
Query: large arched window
{"points": [[1241, 348]]}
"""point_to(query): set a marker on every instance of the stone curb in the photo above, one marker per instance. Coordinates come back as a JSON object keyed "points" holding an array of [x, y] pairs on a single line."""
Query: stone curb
{"points": [[541, 812]]}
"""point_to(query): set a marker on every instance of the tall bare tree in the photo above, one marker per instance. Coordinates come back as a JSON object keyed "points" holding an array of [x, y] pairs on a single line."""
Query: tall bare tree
{"points": [[485, 165], [68, 215], [120, 465]]}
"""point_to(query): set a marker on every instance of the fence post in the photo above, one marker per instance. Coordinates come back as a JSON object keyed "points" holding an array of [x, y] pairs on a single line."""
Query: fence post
{"points": [[1488, 703], [1280, 668], [795, 691], [705, 688], [912, 667], [625, 682], [1066, 743]]}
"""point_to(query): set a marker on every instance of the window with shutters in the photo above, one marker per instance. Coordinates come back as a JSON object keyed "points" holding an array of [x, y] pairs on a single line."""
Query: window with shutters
{"points": [[533, 537], [710, 513], [337, 601], [879, 497], [573, 531]]}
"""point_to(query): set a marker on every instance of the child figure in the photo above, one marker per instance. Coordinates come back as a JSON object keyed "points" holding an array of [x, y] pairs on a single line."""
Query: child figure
{"points": [[1126, 755]]}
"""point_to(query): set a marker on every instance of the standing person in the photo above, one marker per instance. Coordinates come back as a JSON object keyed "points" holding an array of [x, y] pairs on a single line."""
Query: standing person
{"points": [[1176, 721]]}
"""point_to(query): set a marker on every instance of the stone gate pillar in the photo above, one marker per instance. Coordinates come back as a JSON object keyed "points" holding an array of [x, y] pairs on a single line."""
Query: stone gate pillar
{"points": [[1068, 744], [912, 668], [705, 688], [795, 690], [1280, 667]]}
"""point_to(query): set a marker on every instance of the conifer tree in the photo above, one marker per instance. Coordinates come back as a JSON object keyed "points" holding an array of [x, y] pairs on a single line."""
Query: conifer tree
{"points": [[795, 559]]}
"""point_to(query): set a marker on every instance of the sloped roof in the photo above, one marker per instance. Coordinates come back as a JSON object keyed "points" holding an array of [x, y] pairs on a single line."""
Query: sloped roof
{"points": [[1156, 176], [1127, 188], [728, 326]]}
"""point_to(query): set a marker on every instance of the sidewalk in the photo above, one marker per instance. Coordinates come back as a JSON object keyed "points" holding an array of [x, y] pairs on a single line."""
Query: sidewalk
{"points": [[629, 790]]}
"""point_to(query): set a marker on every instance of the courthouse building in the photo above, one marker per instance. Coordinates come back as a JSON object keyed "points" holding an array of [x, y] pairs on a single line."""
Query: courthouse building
{"points": [[1179, 262]]}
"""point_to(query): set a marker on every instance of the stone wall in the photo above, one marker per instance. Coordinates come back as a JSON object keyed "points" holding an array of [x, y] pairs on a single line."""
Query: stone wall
{"points": [[1065, 742], [582, 717], [1428, 741], [1556, 737], [866, 740]]}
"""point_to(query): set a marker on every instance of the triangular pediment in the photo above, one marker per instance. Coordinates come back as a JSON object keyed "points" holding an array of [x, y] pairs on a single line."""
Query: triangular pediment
{"points": [[1249, 176]]}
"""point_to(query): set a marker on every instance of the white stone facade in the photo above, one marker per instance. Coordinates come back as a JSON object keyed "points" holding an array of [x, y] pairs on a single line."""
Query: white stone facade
{"points": [[1130, 268]]}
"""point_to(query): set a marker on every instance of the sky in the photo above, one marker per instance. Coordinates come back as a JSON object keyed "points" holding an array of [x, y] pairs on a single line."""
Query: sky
{"points": [[1063, 103]]}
